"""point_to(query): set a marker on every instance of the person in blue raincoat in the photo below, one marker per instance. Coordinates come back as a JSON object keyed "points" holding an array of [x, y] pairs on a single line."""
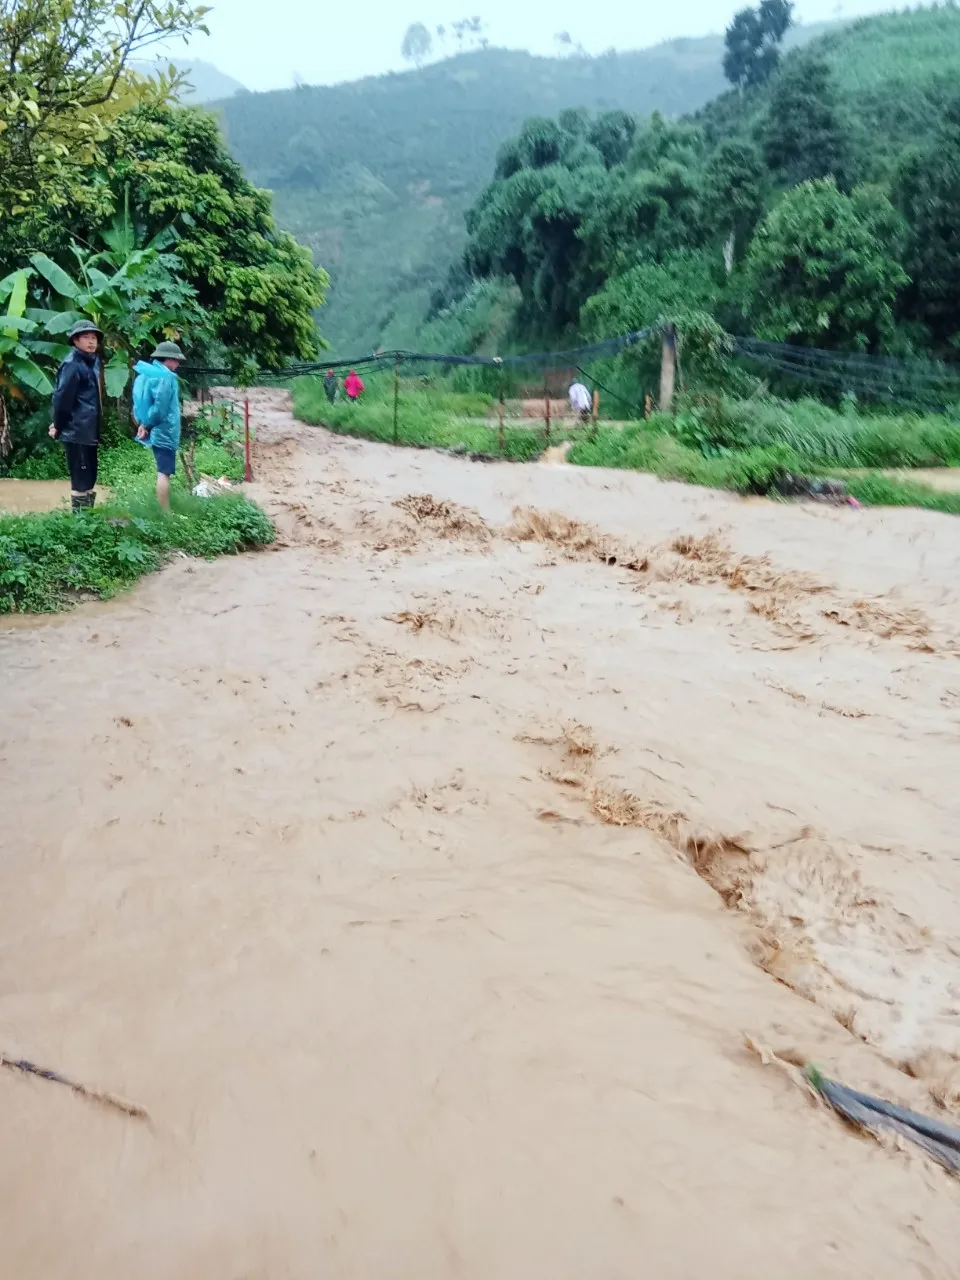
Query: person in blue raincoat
{"points": [[156, 411]]}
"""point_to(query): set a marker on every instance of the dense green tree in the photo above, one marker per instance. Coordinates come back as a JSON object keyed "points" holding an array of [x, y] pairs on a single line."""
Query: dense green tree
{"points": [[540, 143], [732, 196], [653, 292], [612, 134], [659, 140], [927, 190], [259, 285], [62, 80], [807, 134], [752, 42], [819, 271], [527, 227], [643, 215]]}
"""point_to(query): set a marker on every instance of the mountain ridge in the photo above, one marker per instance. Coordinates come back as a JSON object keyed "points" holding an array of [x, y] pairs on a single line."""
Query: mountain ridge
{"points": [[375, 175]]}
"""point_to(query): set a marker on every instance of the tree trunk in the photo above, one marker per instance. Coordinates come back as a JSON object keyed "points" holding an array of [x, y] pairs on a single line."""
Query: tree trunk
{"points": [[729, 248], [6, 443]]}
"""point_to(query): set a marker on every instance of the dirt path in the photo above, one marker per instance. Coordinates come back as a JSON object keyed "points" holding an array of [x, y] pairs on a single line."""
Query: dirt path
{"points": [[422, 876]]}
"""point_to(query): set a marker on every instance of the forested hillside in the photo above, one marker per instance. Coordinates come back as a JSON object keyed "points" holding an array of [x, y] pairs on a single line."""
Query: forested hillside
{"points": [[818, 208], [376, 175]]}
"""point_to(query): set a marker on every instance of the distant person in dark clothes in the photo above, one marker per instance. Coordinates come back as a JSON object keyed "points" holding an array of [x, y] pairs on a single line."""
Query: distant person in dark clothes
{"points": [[353, 386], [331, 385], [77, 411]]}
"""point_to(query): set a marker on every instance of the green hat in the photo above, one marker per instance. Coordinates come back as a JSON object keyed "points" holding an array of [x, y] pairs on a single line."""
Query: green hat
{"points": [[83, 326], [167, 351]]}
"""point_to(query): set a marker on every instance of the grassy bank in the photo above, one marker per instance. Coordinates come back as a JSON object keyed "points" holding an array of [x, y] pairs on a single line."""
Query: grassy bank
{"points": [[713, 440], [752, 470], [426, 419], [51, 560], [126, 463]]}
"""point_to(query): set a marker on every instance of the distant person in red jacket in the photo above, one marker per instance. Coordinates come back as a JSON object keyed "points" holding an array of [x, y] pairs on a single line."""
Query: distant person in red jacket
{"points": [[353, 386]]}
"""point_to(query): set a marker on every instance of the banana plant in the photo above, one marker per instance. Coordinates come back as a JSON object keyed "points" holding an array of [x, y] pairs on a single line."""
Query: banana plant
{"points": [[121, 302], [106, 300], [19, 371]]}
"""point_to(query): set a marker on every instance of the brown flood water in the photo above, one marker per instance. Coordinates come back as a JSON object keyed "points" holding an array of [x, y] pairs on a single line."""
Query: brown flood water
{"points": [[18, 496], [423, 876]]}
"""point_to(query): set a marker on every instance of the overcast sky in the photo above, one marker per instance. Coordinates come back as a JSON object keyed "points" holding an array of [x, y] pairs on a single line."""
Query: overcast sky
{"points": [[267, 45]]}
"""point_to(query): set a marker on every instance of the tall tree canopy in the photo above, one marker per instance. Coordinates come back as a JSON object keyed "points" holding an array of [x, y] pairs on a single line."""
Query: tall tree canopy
{"points": [[83, 143], [927, 190], [258, 284], [62, 80], [807, 134], [752, 42], [820, 271]]}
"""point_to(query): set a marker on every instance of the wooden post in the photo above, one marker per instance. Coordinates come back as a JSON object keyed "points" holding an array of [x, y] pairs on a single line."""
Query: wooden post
{"points": [[596, 407], [500, 413], [247, 462], [647, 405], [668, 368], [546, 408], [396, 400]]}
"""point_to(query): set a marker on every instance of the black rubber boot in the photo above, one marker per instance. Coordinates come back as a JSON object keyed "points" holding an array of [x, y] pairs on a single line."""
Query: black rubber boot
{"points": [[82, 501]]}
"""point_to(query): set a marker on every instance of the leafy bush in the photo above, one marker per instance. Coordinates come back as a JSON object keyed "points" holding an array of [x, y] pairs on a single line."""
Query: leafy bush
{"points": [[49, 560]]}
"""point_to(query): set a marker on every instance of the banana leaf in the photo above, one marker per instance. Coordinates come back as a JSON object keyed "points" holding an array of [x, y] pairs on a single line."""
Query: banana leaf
{"points": [[53, 321], [63, 283], [116, 374], [29, 374]]}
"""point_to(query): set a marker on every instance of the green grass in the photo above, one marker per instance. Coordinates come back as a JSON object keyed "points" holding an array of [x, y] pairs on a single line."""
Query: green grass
{"points": [[886, 491], [126, 462], [427, 418], [49, 560], [818, 435], [752, 469], [716, 441]]}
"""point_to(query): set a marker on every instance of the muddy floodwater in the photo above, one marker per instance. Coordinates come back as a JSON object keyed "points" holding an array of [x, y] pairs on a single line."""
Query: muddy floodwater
{"points": [[18, 496], [456, 884]]}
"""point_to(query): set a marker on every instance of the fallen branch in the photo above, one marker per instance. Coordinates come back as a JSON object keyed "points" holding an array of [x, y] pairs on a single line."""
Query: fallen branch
{"points": [[95, 1095]]}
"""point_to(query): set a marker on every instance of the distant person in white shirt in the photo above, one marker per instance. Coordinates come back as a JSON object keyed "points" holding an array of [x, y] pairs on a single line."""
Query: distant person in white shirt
{"points": [[581, 402]]}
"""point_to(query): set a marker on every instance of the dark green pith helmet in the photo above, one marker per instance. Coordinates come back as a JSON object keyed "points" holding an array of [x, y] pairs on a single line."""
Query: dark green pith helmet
{"points": [[83, 326], [167, 351]]}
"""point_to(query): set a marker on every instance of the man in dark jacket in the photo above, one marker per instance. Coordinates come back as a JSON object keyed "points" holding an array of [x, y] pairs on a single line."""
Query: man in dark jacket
{"points": [[331, 385], [76, 412]]}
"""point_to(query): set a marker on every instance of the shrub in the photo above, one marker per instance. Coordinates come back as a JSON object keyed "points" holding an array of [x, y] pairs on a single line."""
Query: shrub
{"points": [[49, 560]]}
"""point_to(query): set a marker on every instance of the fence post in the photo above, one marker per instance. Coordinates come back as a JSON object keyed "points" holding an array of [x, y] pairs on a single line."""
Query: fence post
{"points": [[647, 405], [396, 399], [247, 463], [668, 368], [500, 412], [546, 408], [596, 407]]}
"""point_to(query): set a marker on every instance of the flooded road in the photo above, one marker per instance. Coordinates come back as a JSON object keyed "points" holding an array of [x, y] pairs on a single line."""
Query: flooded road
{"points": [[423, 876], [18, 496]]}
